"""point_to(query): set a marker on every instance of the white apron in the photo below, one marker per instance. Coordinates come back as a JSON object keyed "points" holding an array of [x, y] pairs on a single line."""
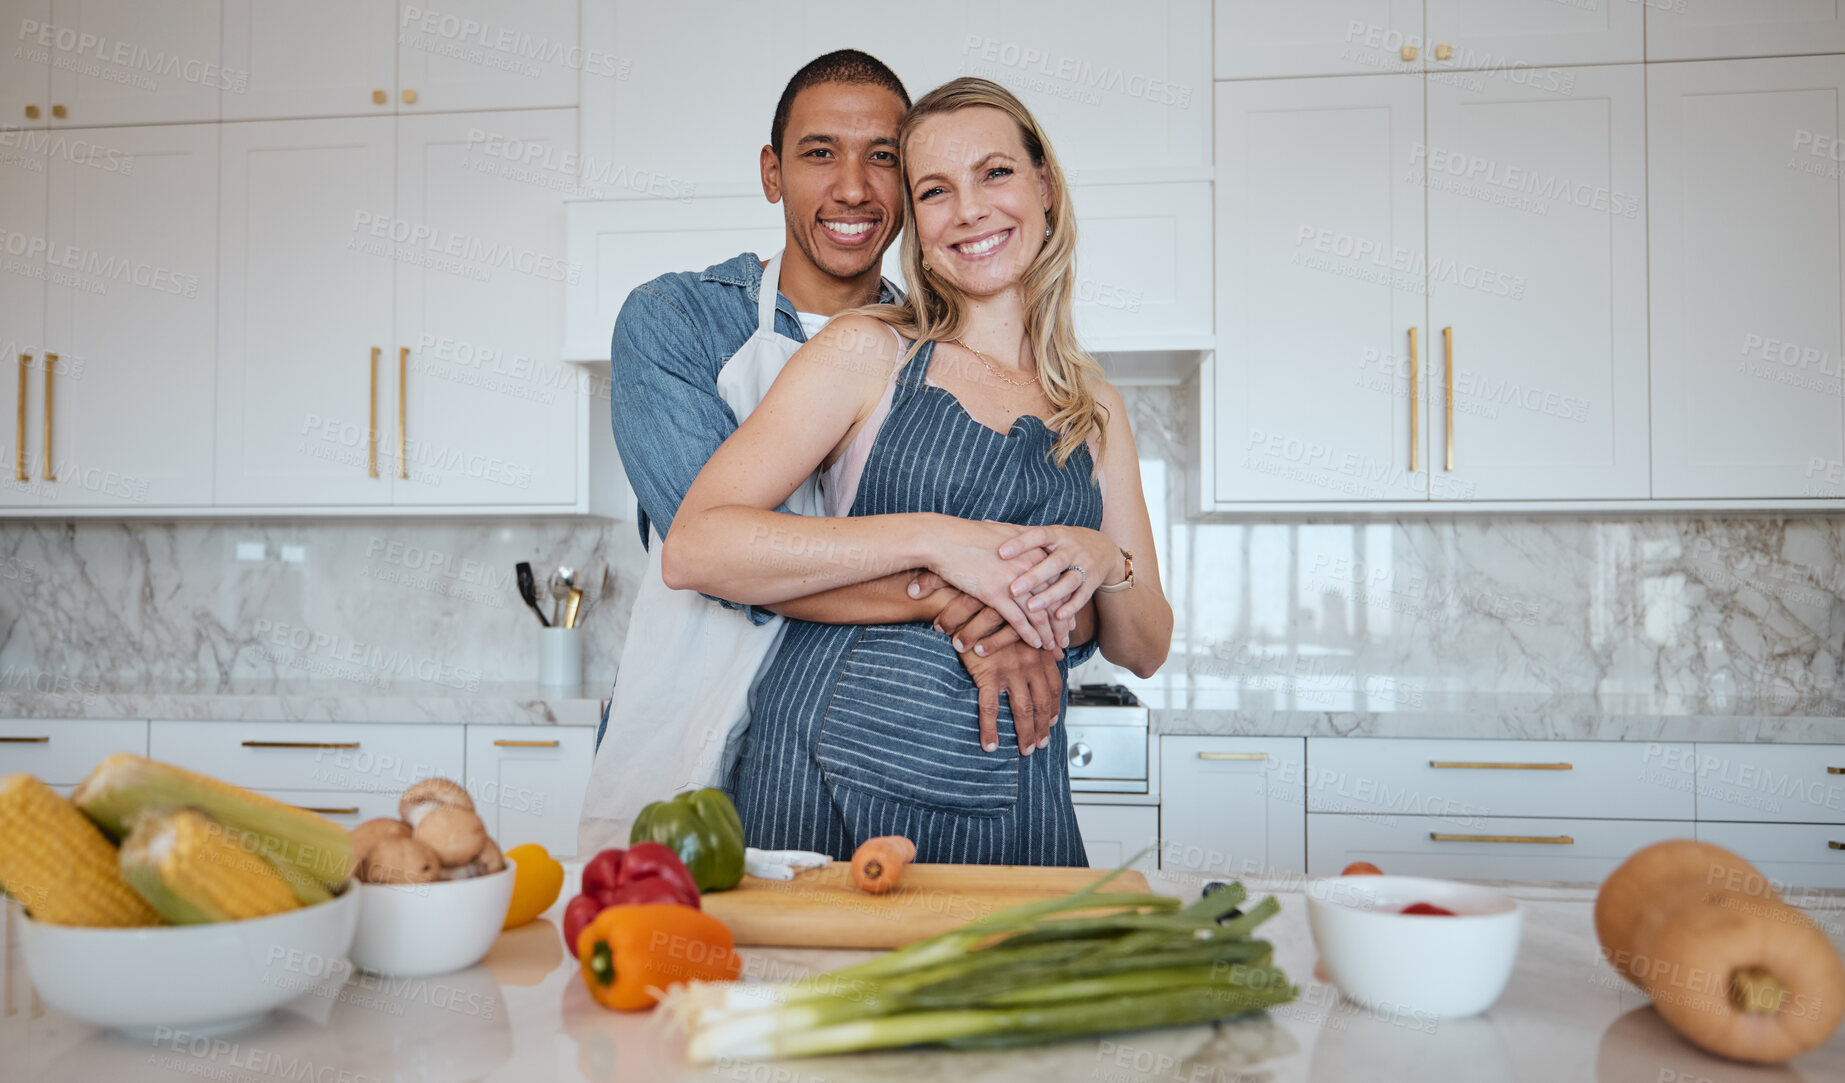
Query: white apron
{"points": [[681, 697]]}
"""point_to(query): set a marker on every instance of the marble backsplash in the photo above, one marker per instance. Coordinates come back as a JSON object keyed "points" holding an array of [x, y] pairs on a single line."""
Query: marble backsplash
{"points": [[1368, 615]]}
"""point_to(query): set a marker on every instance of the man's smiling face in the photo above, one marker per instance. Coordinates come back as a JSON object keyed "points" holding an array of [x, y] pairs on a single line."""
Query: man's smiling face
{"points": [[838, 178]]}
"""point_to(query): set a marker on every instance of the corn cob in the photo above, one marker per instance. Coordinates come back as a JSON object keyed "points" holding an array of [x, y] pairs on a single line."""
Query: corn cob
{"points": [[192, 872], [125, 785], [57, 864]]}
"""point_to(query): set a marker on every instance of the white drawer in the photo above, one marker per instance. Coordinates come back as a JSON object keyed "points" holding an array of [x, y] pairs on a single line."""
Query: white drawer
{"points": [[528, 782], [1581, 851], [63, 751], [1463, 781], [1771, 783], [1791, 855], [1114, 833], [344, 807], [364, 757], [1233, 806]]}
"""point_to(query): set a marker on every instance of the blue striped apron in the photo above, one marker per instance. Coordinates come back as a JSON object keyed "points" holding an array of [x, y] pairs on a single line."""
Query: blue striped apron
{"points": [[863, 730]]}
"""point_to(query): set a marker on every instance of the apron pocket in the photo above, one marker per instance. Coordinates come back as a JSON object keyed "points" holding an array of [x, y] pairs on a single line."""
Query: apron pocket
{"points": [[903, 723]]}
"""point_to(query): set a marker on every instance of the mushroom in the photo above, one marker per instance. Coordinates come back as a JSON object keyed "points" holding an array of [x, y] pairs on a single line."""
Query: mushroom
{"points": [[432, 793], [489, 860], [372, 832], [402, 861], [455, 834]]}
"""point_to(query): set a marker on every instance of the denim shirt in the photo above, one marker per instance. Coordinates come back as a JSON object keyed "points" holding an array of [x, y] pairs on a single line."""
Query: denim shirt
{"points": [[671, 340]]}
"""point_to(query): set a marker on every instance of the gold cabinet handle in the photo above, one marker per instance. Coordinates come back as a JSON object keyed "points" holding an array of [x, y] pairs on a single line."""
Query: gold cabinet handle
{"points": [[1542, 840], [1415, 369], [1444, 52], [1408, 53], [1463, 765], [409, 96], [379, 97], [19, 447], [525, 744], [45, 470], [351, 810], [31, 112], [403, 409], [25, 740], [1447, 346], [1835, 844], [372, 432], [1835, 770], [301, 744], [59, 111], [1233, 755]]}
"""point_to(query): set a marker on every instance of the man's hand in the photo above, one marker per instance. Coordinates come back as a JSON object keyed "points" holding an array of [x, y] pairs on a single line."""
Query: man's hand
{"points": [[1033, 685], [979, 628]]}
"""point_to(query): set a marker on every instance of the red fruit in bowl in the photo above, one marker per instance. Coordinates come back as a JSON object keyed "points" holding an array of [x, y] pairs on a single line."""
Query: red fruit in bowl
{"points": [[1427, 908], [1362, 868]]}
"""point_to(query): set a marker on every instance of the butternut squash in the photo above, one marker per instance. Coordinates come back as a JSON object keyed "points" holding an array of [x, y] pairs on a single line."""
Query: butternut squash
{"points": [[1731, 967]]}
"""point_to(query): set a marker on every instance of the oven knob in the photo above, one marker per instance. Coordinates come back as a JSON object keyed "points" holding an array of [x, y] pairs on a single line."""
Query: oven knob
{"points": [[1081, 754]]}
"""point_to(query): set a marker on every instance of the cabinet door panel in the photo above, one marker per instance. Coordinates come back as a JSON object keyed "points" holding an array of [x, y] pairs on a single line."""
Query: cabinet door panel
{"points": [[1143, 269], [330, 58], [492, 412], [491, 54], [1495, 34], [1713, 29], [1537, 260], [1114, 833], [25, 78], [1232, 806], [24, 163], [1319, 283], [528, 782], [1578, 851], [1790, 855], [1745, 196], [133, 318], [132, 62], [63, 751], [348, 757], [307, 259], [1258, 39], [1771, 783]]}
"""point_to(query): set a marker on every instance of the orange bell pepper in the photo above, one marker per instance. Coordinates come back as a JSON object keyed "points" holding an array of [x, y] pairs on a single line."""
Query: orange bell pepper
{"points": [[631, 954]]}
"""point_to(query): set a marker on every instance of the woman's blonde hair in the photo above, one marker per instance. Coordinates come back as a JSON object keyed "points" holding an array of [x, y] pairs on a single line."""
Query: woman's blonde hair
{"points": [[933, 311]]}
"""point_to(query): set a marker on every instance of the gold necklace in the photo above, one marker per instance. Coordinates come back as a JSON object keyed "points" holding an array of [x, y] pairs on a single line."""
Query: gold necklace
{"points": [[995, 373]]}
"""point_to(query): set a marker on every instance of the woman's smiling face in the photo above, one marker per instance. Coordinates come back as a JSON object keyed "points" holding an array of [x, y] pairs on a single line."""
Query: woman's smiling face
{"points": [[979, 203]]}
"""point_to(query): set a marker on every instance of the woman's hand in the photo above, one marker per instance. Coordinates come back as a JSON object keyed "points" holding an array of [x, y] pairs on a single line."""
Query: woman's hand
{"points": [[1054, 584], [966, 554]]}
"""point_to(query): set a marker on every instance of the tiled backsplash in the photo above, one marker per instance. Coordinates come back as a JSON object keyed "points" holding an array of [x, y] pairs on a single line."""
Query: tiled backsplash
{"points": [[1384, 610]]}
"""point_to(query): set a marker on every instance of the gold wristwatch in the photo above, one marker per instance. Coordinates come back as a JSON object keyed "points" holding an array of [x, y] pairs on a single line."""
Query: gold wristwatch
{"points": [[1110, 588]]}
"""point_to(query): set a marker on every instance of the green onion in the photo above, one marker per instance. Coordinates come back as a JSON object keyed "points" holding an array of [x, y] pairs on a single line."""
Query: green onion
{"points": [[1088, 963]]}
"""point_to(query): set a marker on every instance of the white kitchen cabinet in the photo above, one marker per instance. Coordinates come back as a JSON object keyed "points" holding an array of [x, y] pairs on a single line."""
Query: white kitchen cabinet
{"points": [[1524, 849], [493, 416], [1789, 855], [63, 751], [326, 59], [25, 79], [1501, 34], [305, 314], [23, 168], [1320, 288], [383, 758], [1233, 806], [1784, 784], [1715, 29], [1538, 263], [1744, 160], [528, 782], [132, 318], [1467, 784], [1259, 39], [491, 54], [131, 62], [1118, 106], [1114, 833], [347, 808], [1143, 265]]}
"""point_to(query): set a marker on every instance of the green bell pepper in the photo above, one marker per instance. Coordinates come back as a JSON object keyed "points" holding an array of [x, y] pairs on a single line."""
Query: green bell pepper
{"points": [[703, 828]]}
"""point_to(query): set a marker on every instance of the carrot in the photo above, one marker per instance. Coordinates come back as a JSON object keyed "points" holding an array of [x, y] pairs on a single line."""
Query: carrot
{"points": [[877, 863]]}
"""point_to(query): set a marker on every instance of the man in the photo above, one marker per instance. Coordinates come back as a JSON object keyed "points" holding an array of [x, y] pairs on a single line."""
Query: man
{"points": [[690, 351]]}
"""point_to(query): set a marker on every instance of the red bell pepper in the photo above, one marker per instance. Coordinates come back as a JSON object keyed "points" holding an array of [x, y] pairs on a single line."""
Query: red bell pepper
{"points": [[644, 874]]}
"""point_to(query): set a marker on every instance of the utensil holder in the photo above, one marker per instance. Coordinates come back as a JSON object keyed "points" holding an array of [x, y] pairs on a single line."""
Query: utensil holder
{"points": [[560, 657]]}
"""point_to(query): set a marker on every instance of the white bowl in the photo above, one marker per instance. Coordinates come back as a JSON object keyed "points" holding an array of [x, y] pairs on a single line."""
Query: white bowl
{"points": [[415, 930], [1421, 966], [204, 979]]}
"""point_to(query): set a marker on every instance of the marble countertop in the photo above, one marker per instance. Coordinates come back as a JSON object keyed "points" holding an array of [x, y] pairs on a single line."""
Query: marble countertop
{"points": [[291, 699], [523, 1015]]}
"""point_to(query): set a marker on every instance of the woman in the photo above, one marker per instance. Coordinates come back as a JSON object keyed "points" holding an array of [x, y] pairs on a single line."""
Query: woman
{"points": [[966, 432]]}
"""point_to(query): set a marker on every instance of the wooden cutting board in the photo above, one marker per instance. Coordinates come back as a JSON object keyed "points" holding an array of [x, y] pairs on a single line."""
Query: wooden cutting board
{"points": [[820, 908]]}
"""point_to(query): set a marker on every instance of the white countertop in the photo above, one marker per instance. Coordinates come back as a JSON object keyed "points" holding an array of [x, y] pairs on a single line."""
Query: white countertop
{"points": [[523, 1015], [306, 699]]}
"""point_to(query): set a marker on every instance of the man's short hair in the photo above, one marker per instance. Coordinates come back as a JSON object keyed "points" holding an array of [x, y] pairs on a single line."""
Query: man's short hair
{"points": [[840, 66]]}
